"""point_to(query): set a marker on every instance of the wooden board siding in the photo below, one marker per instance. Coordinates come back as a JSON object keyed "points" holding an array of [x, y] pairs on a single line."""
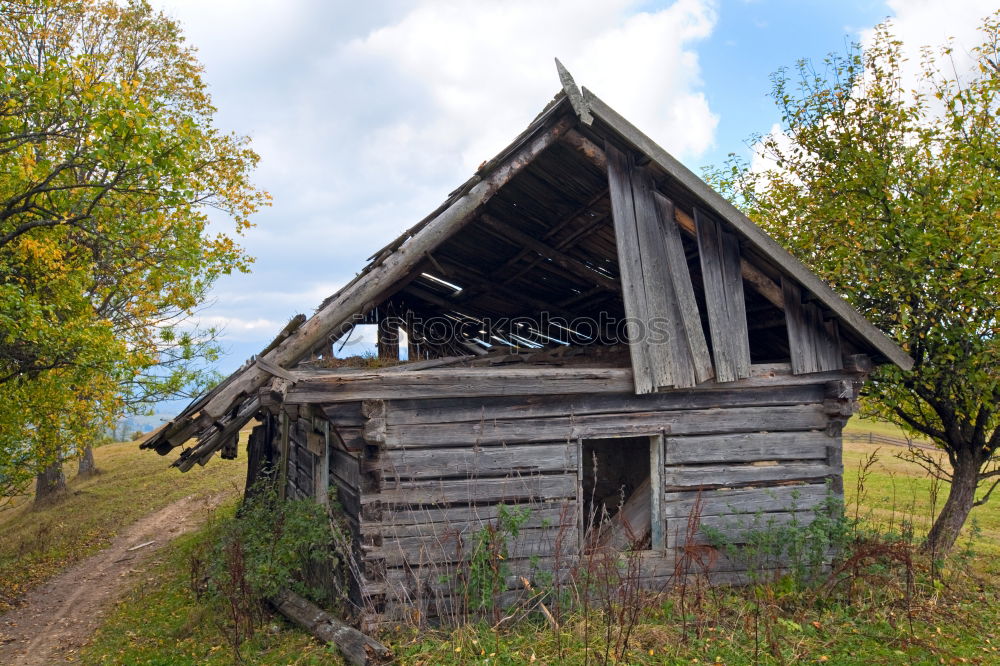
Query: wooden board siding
{"points": [[567, 428], [304, 476], [656, 285], [814, 343], [719, 252]]}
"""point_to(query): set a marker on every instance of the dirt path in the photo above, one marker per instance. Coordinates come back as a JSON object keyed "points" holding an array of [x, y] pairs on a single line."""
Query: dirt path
{"points": [[58, 617]]}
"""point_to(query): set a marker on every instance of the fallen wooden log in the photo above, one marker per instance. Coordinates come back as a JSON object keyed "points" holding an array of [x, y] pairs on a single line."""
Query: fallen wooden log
{"points": [[356, 648]]}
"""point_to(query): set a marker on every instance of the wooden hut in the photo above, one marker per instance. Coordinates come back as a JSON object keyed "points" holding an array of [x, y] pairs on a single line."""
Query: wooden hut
{"points": [[582, 320]]}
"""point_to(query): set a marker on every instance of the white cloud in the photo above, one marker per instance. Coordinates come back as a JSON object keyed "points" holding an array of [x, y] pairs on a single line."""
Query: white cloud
{"points": [[483, 69], [932, 23], [367, 114], [920, 25], [235, 328]]}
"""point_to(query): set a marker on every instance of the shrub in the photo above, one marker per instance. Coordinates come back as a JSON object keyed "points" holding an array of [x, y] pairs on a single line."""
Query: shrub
{"points": [[270, 544]]}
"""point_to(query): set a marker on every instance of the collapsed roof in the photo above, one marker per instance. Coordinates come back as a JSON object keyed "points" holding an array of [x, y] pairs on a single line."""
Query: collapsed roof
{"points": [[538, 233]]}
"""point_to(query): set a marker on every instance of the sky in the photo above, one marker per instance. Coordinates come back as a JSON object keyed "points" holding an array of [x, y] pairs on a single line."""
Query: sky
{"points": [[367, 114]]}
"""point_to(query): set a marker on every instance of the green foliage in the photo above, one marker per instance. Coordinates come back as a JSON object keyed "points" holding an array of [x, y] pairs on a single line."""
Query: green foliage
{"points": [[109, 160], [488, 569], [269, 545], [160, 621], [892, 195], [800, 549]]}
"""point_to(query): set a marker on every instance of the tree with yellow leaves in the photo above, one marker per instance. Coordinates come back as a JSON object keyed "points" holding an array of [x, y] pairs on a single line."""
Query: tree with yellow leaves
{"points": [[109, 162]]}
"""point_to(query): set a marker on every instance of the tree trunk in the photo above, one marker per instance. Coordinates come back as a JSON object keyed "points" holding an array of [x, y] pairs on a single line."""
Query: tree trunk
{"points": [[88, 467], [961, 496], [49, 483]]}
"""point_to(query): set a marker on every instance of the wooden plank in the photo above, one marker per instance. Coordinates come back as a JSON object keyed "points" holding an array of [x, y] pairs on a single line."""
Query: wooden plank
{"points": [[283, 460], [498, 382], [418, 551], [735, 528], [323, 480], [433, 517], [415, 582], [748, 230], [466, 491], [628, 528], [457, 521], [670, 363], [657, 445], [814, 346], [746, 447], [799, 341], [567, 428], [727, 318], [346, 414], [726, 501], [469, 462], [629, 265], [686, 314], [733, 475], [346, 467], [458, 382], [455, 410]]}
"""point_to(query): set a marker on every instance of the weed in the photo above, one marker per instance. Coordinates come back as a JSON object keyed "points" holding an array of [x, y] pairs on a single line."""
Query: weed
{"points": [[488, 570]]}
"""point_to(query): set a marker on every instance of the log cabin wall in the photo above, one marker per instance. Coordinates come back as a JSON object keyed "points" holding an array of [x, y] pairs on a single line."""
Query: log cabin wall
{"points": [[438, 469], [319, 464]]}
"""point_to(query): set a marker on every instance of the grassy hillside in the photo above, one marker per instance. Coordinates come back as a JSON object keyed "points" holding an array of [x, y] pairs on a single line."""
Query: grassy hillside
{"points": [[38, 543]]}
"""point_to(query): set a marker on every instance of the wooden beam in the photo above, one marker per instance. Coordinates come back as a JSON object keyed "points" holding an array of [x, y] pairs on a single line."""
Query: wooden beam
{"points": [[646, 370], [356, 648], [573, 265], [573, 94], [340, 386]]}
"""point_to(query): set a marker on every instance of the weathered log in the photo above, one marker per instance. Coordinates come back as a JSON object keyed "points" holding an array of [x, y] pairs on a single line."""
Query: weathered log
{"points": [[568, 428], [333, 387], [356, 647]]}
